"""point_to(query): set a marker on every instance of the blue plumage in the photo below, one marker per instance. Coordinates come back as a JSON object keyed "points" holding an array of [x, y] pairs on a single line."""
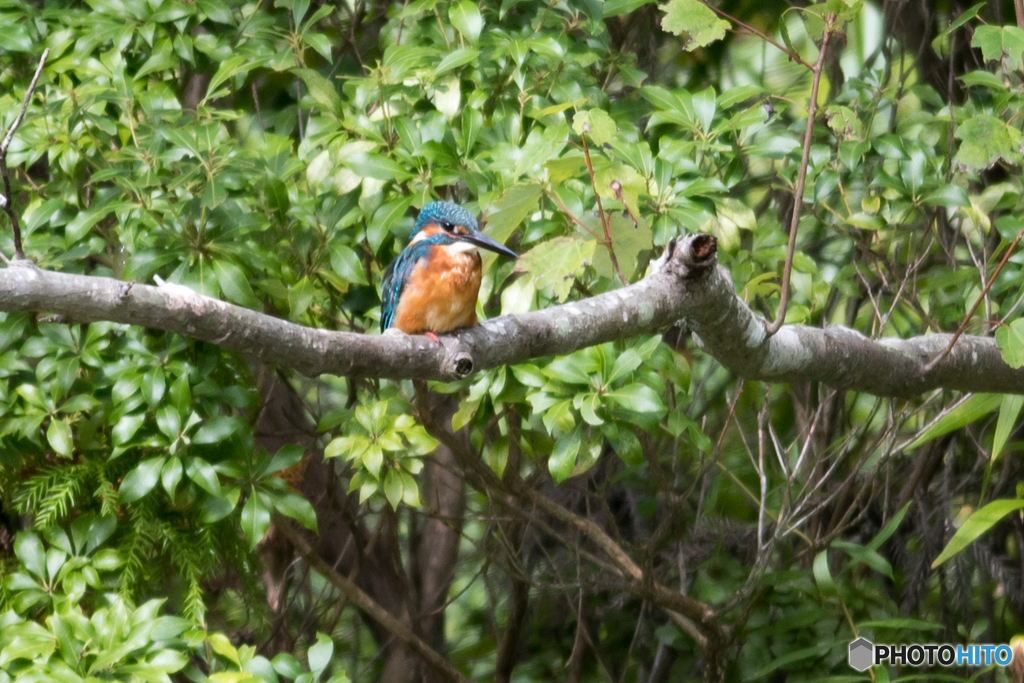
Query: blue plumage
{"points": [[436, 213], [442, 263], [399, 270]]}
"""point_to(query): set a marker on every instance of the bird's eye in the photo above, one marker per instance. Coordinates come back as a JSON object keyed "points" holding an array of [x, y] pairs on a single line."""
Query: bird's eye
{"points": [[447, 225]]}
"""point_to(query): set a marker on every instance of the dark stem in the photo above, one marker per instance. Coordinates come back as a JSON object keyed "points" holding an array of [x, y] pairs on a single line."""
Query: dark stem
{"points": [[600, 210], [8, 198], [798, 193], [977, 302], [360, 599], [763, 36]]}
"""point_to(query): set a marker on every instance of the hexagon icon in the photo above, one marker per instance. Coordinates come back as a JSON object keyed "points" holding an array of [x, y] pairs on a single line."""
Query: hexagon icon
{"points": [[861, 653]]}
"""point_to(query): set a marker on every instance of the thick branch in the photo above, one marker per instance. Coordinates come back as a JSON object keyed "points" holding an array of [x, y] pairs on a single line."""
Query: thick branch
{"points": [[838, 356], [683, 285]]}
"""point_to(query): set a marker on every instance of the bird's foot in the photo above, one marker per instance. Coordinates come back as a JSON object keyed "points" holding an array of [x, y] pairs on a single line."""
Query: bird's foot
{"points": [[433, 336]]}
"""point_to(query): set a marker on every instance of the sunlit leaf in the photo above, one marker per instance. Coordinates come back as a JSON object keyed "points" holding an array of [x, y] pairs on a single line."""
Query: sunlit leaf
{"points": [[976, 525], [695, 22]]}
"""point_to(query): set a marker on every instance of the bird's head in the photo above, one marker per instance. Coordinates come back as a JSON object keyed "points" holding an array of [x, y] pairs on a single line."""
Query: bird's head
{"points": [[457, 226]]}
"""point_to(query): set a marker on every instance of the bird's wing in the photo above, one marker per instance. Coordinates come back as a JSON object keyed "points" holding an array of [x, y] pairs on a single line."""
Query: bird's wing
{"points": [[395, 277]]}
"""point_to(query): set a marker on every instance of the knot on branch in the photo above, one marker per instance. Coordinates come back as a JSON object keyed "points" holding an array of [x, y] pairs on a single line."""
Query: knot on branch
{"points": [[457, 363], [689, 256], [698, 251]]}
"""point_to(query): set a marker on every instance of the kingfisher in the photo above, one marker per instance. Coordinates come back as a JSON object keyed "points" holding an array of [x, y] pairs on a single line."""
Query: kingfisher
{"points": [[431, 287]]}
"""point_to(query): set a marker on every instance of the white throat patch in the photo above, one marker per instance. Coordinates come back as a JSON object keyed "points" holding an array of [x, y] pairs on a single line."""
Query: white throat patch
{"points": [[461, 248]]}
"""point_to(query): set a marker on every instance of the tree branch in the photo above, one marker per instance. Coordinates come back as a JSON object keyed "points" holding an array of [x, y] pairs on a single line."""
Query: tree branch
{"points": [[683, 285], [364, 602]]}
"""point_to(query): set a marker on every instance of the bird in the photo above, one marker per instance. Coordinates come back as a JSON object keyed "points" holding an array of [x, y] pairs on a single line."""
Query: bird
{"points": [[431, 286]]}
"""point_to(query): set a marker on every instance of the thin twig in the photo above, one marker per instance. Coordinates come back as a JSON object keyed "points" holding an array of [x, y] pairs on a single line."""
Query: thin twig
{"points": [[798, 193], [565, 209], [358, 597], [970, 313], [765, 37], [7, 202], [600, 209]]}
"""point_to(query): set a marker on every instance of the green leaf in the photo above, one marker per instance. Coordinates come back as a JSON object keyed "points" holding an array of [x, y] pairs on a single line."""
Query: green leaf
{"points": [[695, 22], [1009, 410], [639, 398], [255, 519], [383, 218], [276, 193], [999, 43], [168, 422], [154, 383], [704, 107], [902, 625], [29, 549], [162, 58], [234, 284], [300, 296], [865, 555], [972, 409], [203, 474], [465, 17], [320, 42], [822, 574], [322, 90], [170, 475], [83, 221], [58, 434], [505, 215], [1010, 339], [556, 263], [126, 428], [976, 525], [346, 264], [455, 59], [962, 19], [218, 429], [614, 8], [231, 67], [393, 488], [889, 529], [985, 140], [949, 196], [320, 655], [376, 166], [410, 491], [596, 125], [287, 456], [629, 240], [563, 456], [296, 507], [588, 405], [140, 480]]}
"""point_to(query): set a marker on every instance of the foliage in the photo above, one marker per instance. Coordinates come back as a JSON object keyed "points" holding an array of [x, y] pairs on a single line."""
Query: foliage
{"points": [[61, 625], [273, 155]]}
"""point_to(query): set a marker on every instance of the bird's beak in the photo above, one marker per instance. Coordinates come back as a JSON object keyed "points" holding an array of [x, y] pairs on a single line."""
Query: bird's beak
{"points": [[484, 242]]}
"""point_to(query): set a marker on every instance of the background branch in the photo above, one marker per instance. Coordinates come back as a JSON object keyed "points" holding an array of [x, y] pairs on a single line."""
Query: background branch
{"points": [[7, 201], [364, 602]]}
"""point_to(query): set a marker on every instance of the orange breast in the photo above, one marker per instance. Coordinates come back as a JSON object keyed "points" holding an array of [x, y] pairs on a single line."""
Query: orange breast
{"points": [[440, 294]]}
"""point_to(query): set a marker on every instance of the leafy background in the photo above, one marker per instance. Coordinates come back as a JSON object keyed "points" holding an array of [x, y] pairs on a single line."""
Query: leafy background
{"points": [[273, 155]]}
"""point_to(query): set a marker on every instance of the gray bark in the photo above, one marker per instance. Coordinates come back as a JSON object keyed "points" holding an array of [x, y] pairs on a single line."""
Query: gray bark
{"points": [[685, 284]]}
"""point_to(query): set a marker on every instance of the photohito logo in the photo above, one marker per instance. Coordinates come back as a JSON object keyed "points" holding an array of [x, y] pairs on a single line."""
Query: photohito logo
{"points": [[864, 653]]}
